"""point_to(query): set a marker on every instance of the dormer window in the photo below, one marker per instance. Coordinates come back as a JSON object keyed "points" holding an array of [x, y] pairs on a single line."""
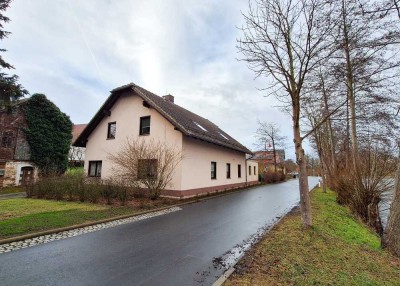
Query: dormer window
{"points": [[144, 125], [112, 129]]}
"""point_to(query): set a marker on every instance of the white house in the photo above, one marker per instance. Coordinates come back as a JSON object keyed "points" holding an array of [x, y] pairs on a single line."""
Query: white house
{"points": [[212, 160]]}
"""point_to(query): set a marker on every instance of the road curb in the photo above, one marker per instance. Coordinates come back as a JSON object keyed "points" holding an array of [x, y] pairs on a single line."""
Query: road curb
{"points": [[67, 228], [224, 277]]}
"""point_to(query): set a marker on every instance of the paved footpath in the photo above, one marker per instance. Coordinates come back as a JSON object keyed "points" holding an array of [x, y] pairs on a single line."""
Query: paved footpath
{"points": [[191, 245], [12, 196]]}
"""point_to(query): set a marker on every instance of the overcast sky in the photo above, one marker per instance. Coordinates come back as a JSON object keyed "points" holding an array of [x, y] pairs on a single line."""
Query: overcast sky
{"points": [[75, 52]]}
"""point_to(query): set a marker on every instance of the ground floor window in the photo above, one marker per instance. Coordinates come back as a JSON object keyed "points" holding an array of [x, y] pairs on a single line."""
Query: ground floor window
{"points": [[249, 170], [228, 170], [213, 170], [95, 168], [239, 171], [255, 170], [147, 169]]}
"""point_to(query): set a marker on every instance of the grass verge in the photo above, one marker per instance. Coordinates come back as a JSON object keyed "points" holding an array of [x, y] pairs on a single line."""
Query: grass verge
{"points": [[337, 250], [24, 216]]}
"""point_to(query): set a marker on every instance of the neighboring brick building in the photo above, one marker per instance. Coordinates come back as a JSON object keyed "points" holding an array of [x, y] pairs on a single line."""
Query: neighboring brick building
{"points": [[15, 165], [265, 159]]}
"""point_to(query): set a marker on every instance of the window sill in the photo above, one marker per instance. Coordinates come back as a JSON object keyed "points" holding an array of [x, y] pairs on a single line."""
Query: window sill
{"points": [[110, 138], [144, 134]]}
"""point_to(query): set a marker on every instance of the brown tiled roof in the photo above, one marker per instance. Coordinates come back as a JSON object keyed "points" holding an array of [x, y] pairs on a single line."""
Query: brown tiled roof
{"points": [[77, 130], [187, 122]]}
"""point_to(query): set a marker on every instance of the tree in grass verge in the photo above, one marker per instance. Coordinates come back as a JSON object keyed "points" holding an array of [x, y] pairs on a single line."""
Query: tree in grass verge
{"points": [[146, 164], [49, 135], [284, 41], [10, 89]]}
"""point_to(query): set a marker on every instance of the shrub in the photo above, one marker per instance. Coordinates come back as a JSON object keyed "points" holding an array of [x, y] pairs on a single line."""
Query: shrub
{"points": [[271, 177]]}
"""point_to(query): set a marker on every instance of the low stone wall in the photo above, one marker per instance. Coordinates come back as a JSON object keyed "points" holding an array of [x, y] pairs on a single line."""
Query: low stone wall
{"points": [[12, 173]]}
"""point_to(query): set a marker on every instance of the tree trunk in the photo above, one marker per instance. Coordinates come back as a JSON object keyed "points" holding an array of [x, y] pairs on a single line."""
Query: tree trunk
{"points": [[305, 202], [330, 143], [323, 167], [350, 89], [391, 239]]}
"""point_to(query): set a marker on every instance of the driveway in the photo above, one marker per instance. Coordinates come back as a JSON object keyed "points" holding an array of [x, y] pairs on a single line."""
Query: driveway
{"points": [[187, 247]]}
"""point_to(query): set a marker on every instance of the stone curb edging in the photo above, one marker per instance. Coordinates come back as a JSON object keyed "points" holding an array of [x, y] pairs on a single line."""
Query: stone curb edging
{"points": [[4, 248], [75, 226], [67, 228]]}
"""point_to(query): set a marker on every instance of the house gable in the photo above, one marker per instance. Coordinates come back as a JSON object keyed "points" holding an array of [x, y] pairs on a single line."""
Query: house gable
{"points": [[190, 124]]}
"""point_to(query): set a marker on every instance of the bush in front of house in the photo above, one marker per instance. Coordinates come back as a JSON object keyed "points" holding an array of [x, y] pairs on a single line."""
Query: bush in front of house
{"points": [[271, 177], [76, 187]]}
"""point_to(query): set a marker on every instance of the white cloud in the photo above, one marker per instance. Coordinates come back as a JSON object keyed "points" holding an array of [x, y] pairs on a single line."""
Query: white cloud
{"points": [[77, 51]]}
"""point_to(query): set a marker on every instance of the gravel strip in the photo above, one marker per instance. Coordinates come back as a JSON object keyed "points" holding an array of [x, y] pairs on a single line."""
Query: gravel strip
{"points": [[4, 248]]}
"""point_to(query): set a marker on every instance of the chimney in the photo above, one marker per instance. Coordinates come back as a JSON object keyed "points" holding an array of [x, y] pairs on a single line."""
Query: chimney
{"points": [[169, 98]]}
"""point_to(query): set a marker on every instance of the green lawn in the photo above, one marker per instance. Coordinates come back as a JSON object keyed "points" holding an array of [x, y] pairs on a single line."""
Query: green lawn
{"points": [[22, 216], [337, 250]]}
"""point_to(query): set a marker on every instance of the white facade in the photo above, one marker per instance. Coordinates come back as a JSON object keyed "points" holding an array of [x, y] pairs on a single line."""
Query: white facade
{"points": [[193, 175]]}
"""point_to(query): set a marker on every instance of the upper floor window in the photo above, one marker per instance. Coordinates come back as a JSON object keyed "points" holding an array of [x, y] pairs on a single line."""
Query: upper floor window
{"points": [[95, 168], [249, 170], [112, 129], [147, 169], [239, 171], [213, 170], [228, 170], [7, 139], [144, 125]]}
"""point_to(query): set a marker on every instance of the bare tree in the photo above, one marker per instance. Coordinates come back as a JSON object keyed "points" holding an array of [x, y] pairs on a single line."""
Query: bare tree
{"points": [[146, 164], [76, 154], [284, 41], [270, 132]]}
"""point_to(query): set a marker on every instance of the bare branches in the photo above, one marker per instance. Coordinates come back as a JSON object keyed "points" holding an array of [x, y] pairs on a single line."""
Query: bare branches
{"points": [[147, 164]]}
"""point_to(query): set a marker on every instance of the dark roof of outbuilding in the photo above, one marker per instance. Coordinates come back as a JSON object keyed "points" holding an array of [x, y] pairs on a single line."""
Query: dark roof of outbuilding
{"points": [[189, 123], [77, 130]]}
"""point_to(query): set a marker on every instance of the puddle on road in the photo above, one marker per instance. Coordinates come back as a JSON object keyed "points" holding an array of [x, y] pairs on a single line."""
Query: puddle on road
{"points": [[231, 257]]}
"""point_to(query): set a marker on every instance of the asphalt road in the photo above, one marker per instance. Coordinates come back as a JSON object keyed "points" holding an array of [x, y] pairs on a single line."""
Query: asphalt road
{"points": [[186, 247]]}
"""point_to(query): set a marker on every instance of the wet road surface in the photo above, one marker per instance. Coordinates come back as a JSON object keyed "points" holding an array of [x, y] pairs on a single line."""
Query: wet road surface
{"points": [[180, 248]]}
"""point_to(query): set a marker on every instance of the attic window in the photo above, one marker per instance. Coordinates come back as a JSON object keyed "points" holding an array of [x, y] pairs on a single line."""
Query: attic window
{"points": [[223, 136], [201, 127]]}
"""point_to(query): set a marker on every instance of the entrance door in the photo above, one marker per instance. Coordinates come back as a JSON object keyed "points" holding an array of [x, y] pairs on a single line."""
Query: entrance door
{"points": [[26, 175]]}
